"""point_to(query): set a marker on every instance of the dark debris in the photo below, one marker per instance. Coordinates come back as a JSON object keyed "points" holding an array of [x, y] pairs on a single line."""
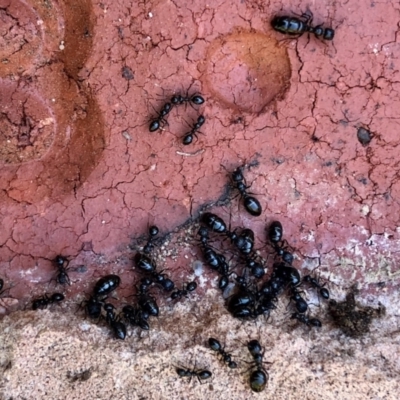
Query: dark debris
{"points": [[353, 319]]}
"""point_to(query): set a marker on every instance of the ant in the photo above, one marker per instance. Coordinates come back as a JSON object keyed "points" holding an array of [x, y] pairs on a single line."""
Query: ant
{"points": [[275, 234], [216, 346], [213, 222], [61, 264], [153, 232], [256, 268], [106, 285], [178, 294], [135, 316], [42, 302], [299, 26], [243, 303], [195, 99], [163, 280], [259, 377], [289, 274], [93, 307], [200, 374], [1, 286], [251, 204], [145, 263], [188, 138], [148, 304], [301, 304], [324, 292], [311, 322], [156, 123], [213, 259], [118, 327], [243, 242]]}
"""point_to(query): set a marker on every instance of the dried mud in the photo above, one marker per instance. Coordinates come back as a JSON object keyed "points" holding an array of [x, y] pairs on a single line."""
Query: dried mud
{"points": [[82, 176]]}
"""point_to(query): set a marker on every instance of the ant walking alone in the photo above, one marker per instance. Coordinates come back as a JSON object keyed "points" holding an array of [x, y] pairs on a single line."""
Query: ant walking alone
{"points": [[298, 26]]}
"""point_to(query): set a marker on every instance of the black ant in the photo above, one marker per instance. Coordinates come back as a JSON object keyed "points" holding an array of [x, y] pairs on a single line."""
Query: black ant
{"points": [[213, 259], [275, 234], [304, 319], [200, 374], [161, 279], [216, 346], [213, 222], [178, 294], [188, 137], [62, 265], [148, 304], [93, 307], [299, 26], [106, 285], [145, 263], [251, 204], [156, 123], [225, 272], [244, 242], [301, 304], [149, 246], [243, 303], [259, 377], [256, 268], [118, 327], [1, 286], [290, 275], [324, 292], [42, 302], [136, 316], [195, 99]]}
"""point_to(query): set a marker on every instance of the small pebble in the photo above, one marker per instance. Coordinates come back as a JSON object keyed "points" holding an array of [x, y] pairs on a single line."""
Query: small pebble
{"points": [[364, 136]]}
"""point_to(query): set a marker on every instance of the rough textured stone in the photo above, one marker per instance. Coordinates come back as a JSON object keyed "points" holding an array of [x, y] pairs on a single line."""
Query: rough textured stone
{"points": [[82, 176]]}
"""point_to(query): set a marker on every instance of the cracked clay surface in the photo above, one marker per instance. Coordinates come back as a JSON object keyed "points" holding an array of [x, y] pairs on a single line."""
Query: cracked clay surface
{"points": [[82, 176]]}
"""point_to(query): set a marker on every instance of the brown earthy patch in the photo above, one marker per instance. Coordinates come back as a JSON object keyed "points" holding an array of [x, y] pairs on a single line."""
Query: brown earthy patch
{"points": [[247, 71]]}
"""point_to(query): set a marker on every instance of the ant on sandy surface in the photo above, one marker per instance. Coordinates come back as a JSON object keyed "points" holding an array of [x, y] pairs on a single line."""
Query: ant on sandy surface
{"points": [[179, 293], [216, 346], [200, 374], [42, 302], [259, 377]]}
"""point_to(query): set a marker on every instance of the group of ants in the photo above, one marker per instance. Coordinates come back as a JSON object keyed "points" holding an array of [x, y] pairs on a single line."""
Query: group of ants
{"points": [[250, 300], [292, 26]]}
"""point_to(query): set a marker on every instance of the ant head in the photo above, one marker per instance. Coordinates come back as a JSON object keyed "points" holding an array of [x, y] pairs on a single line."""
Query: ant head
{"points": [[203, 232], [60, 260], [237, 175], [153, 231], [329, 34]]}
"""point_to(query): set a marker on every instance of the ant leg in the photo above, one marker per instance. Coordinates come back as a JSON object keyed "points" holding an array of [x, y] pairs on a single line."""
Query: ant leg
{"points": [[307, 16]]}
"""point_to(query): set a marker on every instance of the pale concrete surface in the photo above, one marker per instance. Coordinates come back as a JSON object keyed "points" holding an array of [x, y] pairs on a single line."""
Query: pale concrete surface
{"points": [[43, 353]]}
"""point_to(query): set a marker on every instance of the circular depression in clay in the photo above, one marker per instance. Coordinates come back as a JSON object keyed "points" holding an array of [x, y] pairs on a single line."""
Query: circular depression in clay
{"points": [[247, 71], [20, 37], [27, 125]]}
